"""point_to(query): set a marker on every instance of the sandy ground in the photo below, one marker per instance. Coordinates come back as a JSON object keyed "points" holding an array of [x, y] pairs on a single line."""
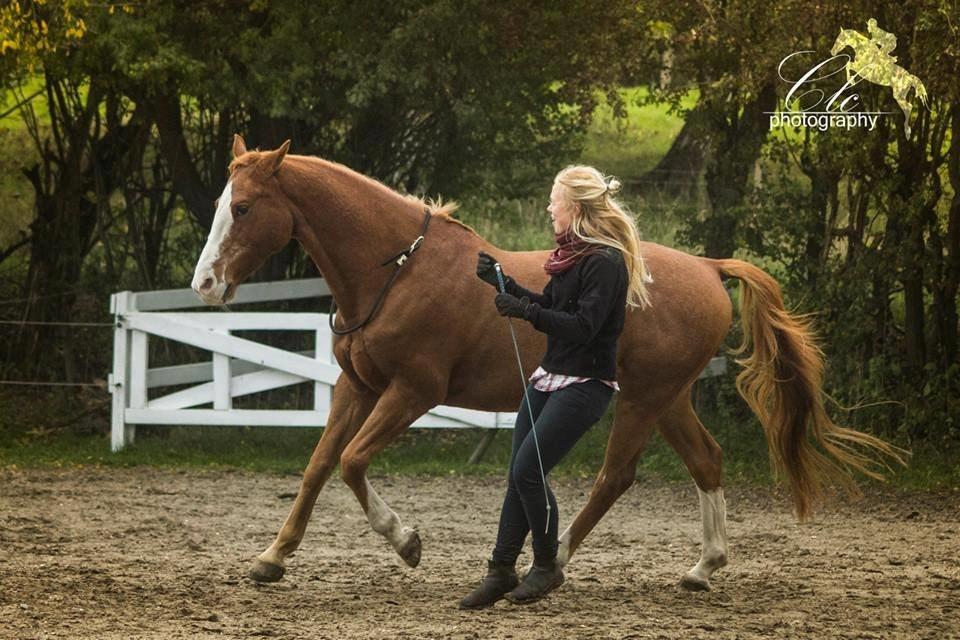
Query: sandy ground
{"points": [[144, 553]]}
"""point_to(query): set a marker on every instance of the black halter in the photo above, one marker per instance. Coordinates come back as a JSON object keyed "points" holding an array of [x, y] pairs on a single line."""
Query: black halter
{"points": [[400, 259]]}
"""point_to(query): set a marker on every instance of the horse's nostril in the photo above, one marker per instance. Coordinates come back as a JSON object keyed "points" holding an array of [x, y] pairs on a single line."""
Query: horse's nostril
{"points": [[206, 284]]}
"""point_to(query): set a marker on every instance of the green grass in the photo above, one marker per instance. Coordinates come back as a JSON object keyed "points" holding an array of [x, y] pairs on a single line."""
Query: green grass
{"points": [[30, 437], [279, 449], [515, 225], [431, 452], [628, 147]]}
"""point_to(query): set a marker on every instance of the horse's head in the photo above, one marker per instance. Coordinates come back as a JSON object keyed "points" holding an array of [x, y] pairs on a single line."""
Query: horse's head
{"points": [[843, 39], [253, 221]]}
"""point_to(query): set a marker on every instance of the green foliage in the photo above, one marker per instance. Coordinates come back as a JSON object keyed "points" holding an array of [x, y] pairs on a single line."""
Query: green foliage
{"points": [[33, 32], [434, 96]]}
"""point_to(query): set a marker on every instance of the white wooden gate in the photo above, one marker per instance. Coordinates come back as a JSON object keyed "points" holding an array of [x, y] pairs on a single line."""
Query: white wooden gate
{"points": [[238, 367]]}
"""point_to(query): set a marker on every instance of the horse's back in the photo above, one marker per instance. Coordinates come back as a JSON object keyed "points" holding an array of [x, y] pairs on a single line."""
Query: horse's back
{"points": [[689, 316]]}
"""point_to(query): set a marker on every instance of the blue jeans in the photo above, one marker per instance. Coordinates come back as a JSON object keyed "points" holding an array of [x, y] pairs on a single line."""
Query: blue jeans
{"points": [[561, 417]]}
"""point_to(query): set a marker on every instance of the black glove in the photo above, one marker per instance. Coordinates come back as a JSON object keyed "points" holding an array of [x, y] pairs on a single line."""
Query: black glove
{"points": [[487, 273], [512, 306]]}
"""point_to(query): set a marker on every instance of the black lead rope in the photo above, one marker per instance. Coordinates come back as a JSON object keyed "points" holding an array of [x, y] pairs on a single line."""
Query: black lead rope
{"points": [[400, 259]]}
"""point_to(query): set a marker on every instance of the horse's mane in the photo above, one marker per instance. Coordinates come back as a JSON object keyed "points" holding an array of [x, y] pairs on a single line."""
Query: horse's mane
{"points": [[437, 207], [442, 209]]}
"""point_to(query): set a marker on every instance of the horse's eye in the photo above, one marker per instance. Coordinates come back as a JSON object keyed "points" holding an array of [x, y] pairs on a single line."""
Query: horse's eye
{"points": [[242, 209]]}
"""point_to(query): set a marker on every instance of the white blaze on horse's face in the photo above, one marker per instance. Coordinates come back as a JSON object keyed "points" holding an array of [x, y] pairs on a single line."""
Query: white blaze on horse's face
{"points": [[209, 285]]}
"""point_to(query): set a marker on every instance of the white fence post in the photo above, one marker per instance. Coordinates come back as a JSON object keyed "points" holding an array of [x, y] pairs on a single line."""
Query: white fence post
{"points": [[323, 352], [222, 379], [139, 364], [119, 379]]}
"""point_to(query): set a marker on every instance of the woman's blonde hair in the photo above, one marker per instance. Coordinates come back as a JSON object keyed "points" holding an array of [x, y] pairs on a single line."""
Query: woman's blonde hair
{"points": [[600, 219]]}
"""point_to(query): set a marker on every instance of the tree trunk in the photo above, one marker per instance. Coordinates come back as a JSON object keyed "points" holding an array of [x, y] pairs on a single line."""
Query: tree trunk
{"points": [[737, 139], [952, 276], [677, 172], [197, 195], [824, 178]]}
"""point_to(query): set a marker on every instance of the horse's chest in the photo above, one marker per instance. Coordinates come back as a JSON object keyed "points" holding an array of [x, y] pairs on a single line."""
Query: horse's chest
{"points": [[354, 358]]}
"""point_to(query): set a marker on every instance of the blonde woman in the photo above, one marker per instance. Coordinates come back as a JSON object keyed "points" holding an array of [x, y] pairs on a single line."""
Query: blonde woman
{"points": [[596, 271]]}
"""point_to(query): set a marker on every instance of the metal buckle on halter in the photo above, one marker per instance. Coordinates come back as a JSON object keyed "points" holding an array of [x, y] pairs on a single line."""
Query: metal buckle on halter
{"points": [[406, 254]]}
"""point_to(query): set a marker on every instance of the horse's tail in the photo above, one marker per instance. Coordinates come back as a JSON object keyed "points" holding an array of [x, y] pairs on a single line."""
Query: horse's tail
{"points": [[921, 91], [781, 382], [913, 81]]}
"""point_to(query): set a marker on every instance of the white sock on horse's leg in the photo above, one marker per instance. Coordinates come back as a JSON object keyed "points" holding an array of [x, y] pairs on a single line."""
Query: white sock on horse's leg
{"points": [[272, 555], [563, 550], [713, 555], [386, 522]]}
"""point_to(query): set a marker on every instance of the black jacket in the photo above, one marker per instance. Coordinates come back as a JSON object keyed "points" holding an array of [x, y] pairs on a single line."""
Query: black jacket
{"points": [[582, 312]]}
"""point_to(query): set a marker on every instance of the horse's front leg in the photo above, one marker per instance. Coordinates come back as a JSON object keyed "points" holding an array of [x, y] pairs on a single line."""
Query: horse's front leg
{"points": [[350, 407], [396, 409], [900, 90]]}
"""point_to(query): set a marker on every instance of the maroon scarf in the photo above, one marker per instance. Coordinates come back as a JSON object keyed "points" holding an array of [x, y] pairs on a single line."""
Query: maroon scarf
{"points": [[569, 251]]}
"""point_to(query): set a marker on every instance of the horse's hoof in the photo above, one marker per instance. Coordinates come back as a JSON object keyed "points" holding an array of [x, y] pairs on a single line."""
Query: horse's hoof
{"points": [[265, 572], [410, 552], [693, 583]]}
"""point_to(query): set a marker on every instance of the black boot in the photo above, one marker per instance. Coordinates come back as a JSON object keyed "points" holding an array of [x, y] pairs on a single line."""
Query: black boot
{"points": [[500, 579], [544, 577]]}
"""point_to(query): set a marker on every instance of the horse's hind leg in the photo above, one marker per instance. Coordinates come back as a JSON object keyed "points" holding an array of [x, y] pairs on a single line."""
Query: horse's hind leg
{"points": [[900, 92], [396, 409], [632, 426], [349, 408], [680, 426]]}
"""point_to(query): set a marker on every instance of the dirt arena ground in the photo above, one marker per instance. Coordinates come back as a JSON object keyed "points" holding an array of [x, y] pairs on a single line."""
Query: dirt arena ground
{"points": [[144, 553]]}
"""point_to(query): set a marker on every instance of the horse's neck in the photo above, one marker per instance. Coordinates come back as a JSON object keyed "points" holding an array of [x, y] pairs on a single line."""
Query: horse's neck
{"points": [[349, 225]]}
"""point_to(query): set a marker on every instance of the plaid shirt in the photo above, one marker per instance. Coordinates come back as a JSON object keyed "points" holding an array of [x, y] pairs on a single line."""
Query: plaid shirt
{"points": [[546, 381]]}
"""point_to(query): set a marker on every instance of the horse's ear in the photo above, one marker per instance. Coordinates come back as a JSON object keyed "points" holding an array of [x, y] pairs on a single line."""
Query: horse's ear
{"points": [[239, 146], [274, 159]]}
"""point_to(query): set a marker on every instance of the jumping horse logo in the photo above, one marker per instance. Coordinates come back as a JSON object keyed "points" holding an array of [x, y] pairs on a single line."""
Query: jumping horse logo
{"points": [[873, 62]]}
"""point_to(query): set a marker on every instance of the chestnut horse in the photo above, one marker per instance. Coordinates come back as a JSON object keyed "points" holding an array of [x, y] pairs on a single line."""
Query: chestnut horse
{"points": [[437, 339]]}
